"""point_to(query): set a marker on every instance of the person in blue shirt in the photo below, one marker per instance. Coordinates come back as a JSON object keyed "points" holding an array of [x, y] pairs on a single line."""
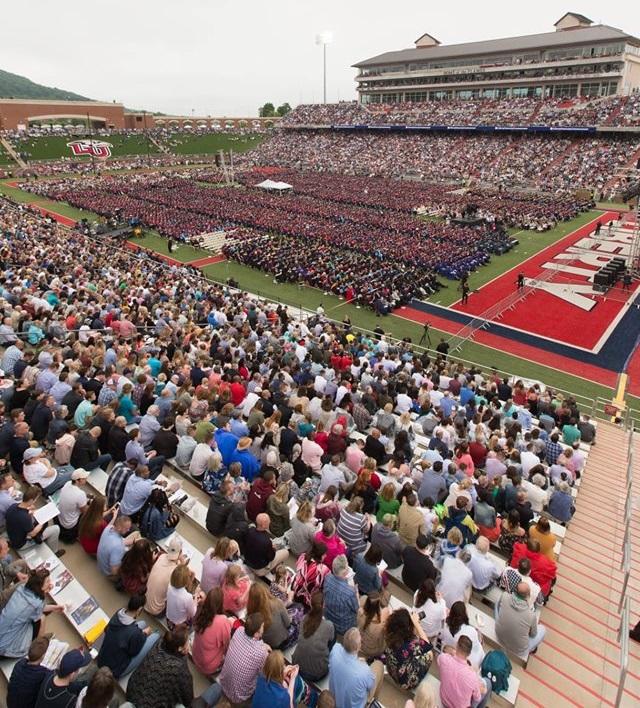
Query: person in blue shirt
{"points": [[226, 442], [238, 427], [113, 546], [466, 395], [365, 566], [353, 683], [126, 407], [561, 503], [250, 465], [340, 598], [27, 676], [280, 685], [156, 519], [155, 365]]}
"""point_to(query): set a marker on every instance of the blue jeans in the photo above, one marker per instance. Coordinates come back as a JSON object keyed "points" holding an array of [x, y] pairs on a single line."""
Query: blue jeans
{"points": [[212, 695], [155, 466], [535, 641], [146, 648], [61, 479], [485, 699], [102, 461]]}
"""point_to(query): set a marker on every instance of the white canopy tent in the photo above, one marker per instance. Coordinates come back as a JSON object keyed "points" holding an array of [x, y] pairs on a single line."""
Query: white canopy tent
{"points": [[272, 186]]}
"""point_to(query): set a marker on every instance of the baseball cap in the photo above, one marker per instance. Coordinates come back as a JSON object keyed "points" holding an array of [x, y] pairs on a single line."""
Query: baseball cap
{"points": [[72, 661], [174, 549], [80, 473], [31, 452]]}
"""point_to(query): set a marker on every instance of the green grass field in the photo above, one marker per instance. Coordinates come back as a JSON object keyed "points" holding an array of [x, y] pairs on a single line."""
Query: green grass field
{"points": [[155, 242], [52, 147], [5, 159], [185, 144], [531, 242], [59, 207]]}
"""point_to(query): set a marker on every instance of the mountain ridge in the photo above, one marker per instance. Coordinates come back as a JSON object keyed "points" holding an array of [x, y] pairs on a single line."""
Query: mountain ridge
{"points": [[16, 86]]}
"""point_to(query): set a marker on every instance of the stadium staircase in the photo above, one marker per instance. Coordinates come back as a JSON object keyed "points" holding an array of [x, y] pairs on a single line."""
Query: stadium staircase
{"points": [[161, 146], [12, 153], [611, 120], [578, 662], [559, 158], [625, 171]]}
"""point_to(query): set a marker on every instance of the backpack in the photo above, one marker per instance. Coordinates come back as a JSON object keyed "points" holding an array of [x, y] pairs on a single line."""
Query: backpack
{"points": [[497, 668]]}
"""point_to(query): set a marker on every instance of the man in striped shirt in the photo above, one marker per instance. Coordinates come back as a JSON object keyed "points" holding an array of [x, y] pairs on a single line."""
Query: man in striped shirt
{"points": [[340, 598]]}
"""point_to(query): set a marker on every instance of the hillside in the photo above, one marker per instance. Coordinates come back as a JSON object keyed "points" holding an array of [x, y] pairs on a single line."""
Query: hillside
{"points": [[14, 86]]}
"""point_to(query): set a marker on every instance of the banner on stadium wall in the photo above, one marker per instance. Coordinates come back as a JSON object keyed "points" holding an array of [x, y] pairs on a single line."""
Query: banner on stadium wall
{"points": [[90, 148], [469, 128]]}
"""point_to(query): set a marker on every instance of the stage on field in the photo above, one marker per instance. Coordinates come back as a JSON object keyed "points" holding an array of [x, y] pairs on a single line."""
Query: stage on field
{"points": [[556, 299]]}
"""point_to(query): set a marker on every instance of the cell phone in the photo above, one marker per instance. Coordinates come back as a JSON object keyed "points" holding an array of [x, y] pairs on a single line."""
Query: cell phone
{"points": [[421, 615]]}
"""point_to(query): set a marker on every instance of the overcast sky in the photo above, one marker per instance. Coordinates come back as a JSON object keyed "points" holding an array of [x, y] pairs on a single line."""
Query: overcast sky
{"points": [[227, 57]]}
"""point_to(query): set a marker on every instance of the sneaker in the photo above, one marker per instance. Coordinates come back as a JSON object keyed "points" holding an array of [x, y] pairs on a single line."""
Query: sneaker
{"points": [[60, 553]]}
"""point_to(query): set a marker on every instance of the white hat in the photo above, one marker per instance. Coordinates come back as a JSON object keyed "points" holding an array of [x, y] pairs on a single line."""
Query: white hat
{"points": [[31, 452], [79, 473]]}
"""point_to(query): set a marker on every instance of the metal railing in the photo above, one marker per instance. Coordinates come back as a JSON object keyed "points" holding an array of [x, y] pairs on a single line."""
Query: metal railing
{"points": [[624, 604]]}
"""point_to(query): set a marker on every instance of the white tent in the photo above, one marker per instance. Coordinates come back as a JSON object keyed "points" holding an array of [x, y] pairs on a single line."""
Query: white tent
{"points": [[272, 186]]}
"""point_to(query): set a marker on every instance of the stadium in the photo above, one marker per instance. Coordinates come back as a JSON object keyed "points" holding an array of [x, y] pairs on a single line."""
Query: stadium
{"points": [[334, 406]]}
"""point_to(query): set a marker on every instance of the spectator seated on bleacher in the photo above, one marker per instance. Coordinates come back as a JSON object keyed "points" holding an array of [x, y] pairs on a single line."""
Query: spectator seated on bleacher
{"points": [[163, 677], [517, 625], [543, 570], [461, 683], [417, 565], [27, 676], [57, 688], [351, 680], [23, 530], [541, 532], [127, 640], [25, 614], [408, 653]]}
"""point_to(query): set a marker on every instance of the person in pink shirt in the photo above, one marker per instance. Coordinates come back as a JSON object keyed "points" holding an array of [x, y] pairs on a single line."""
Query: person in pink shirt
{"points": [[235, 590], [333, 542], [354, 456], [462, 456], [312, 453], [212, 634], [461, 686]]}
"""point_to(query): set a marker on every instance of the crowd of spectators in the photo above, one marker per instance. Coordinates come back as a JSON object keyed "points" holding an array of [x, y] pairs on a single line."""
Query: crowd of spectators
{"points": [[549, 163], [308, 429], [517, 112]]}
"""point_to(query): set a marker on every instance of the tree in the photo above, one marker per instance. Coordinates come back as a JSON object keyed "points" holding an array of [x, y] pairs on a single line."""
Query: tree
{"points": [[267, 111], [283, 109]]}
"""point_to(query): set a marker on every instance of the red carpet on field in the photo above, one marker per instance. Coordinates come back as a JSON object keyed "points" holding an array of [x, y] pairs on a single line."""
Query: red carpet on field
{"points": [[544, 314], [208, 260]]}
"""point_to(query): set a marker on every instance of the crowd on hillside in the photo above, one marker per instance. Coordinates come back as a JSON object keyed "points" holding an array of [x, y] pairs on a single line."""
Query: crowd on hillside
{"points": [[621, 111], [550, 163], [303, 432], [51, 168]]}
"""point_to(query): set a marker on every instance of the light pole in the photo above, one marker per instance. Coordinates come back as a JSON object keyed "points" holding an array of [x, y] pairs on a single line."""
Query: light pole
{"points": [[323, 39]]}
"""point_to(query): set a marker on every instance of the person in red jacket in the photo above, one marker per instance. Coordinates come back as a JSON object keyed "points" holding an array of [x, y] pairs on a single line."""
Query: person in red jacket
{"points": [[543, 570], [261, 489], [238, 391]]}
